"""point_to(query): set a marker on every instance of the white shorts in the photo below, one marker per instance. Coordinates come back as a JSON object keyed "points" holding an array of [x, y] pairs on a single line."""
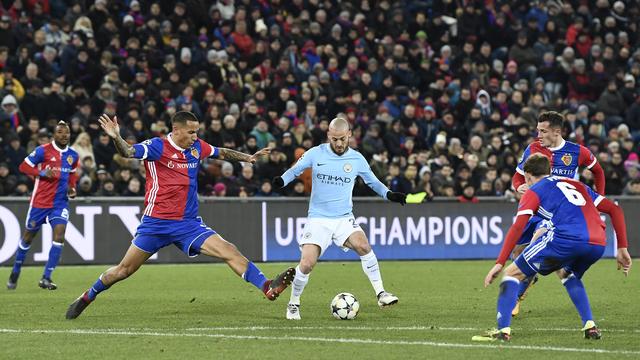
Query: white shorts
{"points": [[323, 232]]}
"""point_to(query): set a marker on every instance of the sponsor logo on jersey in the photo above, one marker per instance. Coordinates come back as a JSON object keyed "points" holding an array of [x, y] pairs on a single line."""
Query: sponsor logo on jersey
{"points": [[333, 179], [566, 159], [172, 165]]}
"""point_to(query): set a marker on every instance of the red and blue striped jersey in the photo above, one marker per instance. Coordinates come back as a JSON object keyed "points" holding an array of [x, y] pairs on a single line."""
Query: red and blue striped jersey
{"points": [[52, 192], [569, 206], [566, 159], [172, 177]]}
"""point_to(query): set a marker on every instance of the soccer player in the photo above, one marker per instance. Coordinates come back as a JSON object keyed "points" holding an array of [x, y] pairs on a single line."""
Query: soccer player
{"points": [[171, 208], [53, 165], [330, 218], [573, 239], [566, 160]]}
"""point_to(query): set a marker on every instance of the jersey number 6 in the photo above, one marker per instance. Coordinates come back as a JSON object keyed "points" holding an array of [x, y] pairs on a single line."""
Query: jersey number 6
{"points": [[570, 192]]}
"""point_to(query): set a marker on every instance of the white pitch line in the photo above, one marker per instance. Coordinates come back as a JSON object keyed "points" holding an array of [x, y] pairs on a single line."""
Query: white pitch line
{"points": [[373, 328], [321, 339]]}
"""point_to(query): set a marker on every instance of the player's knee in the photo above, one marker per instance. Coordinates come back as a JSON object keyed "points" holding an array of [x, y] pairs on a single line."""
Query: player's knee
{"points": [[58, 239], [123, 271], [363, 248], [306, 265]]}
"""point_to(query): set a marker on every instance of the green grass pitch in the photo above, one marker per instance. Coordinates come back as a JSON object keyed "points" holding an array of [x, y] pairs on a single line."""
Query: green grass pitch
{"points": [[205, 311]]}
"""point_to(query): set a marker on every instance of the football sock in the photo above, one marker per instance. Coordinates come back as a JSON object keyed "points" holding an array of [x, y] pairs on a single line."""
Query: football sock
{"points": [[578, 295], [507, 300], [96, 289], [21, 254], [372, 269], [54, 257], [299, 282], [254, 276], [524, 284]]}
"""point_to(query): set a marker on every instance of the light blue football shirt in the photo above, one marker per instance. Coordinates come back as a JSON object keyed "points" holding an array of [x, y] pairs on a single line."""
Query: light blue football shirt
{"points": [[333, 179]]}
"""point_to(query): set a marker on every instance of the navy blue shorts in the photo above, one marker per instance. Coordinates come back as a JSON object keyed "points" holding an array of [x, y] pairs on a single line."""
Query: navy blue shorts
{"points": [[54, 216], [188, 235], [549, 253], [529, 230]]}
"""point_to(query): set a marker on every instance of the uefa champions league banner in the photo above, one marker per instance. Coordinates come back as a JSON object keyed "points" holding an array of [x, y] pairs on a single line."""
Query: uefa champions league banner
{"points": [[100, 230], [438, 230]]}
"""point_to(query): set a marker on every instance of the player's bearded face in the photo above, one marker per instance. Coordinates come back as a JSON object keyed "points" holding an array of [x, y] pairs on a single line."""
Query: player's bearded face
{"points": [[62, 134], [185, 135], [339, 140]]}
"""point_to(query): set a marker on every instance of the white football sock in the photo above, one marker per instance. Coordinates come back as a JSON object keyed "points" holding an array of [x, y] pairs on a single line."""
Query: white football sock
{"points": [[299, 282], [372, 269]]}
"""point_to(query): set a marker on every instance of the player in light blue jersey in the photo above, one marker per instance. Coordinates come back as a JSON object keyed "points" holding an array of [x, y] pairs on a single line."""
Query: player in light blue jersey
{"points": [[330, 218]]}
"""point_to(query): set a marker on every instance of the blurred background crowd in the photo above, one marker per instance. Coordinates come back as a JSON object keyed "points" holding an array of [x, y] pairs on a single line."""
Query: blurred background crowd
{"points": [[442, 95]]}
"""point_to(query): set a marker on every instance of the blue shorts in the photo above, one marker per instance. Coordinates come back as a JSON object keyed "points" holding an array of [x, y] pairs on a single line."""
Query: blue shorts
{"points": [[188, 235], [548, 254], [529, 230], [54, 216]]}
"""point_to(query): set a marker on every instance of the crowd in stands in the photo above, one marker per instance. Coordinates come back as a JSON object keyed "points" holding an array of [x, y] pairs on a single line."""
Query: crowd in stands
{"points": [[442, 95]]}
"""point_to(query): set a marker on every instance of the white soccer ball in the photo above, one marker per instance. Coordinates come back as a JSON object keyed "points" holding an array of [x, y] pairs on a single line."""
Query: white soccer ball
{"points": [[345, 306]]}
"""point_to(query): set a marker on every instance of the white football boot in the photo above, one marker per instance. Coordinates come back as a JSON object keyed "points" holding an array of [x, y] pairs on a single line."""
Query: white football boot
{"points": [[293, 312], [386, 299]]}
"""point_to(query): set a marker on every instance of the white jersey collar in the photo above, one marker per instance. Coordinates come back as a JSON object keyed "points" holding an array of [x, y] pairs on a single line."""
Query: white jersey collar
{"points": [[559, 146], [173, 143], [53, 143]]}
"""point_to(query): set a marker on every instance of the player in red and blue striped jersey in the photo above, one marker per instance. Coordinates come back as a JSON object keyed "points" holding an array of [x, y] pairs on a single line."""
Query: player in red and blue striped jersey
{"points": [[53, 165], [572, 239], [171, 208], [566, 160]]}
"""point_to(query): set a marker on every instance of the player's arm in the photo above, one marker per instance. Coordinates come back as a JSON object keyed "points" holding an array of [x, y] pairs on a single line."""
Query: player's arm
{"points": [[30, 164], [528, 206], [233, 155], [304, 162], [73, 180], [111, 128], [620, 227], [376, 185], [589, 161]]}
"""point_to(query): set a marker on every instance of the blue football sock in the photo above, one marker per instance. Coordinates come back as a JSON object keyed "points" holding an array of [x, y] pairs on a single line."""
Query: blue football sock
{"points": [[524, 284], [21, 254], [254, 276], [96, 289], [54, 257], [507, 300], [578, 295]]}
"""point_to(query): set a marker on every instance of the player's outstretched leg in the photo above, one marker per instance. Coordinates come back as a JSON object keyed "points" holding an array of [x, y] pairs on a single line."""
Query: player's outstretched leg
{"points": [[216, 246], [21, 254], [358, 242], [308, 259], [133, 259], [578, 294]]}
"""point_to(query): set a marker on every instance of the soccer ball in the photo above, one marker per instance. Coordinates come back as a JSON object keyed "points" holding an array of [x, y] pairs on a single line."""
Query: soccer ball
{"points": [[345, 306]]}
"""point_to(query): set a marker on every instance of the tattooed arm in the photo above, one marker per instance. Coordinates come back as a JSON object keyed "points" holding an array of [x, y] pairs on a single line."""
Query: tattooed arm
{"points": [[111, 127], [232, 155]]}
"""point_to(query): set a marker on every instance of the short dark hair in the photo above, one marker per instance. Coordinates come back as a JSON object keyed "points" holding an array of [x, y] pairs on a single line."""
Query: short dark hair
{"points": [[537, 165], [554, 118], [181, 117]]}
